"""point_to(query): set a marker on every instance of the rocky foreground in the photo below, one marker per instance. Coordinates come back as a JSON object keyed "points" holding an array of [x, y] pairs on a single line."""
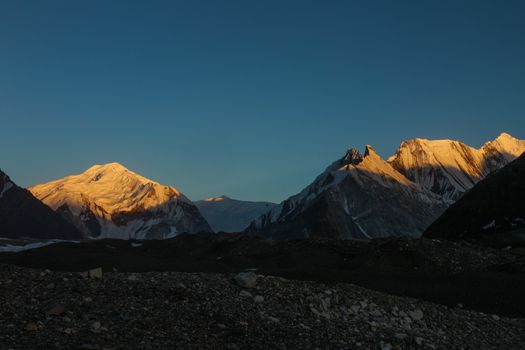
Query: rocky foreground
{"points": [[168, 310]]}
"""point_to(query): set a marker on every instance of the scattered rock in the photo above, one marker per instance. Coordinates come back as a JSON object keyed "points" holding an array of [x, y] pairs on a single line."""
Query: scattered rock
{"points": [[204, 311]]}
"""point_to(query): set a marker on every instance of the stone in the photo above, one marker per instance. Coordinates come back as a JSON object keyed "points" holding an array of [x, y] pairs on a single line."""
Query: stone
{"points": [[95, 273], [56, 310], [132, 277], [31, 327], [416, 315], [246, 279], [258, 299], [376, 313], [245, 294], [96, 325]]}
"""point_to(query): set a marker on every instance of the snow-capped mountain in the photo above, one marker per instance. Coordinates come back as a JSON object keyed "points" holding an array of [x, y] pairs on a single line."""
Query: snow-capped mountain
{"points": [[231, 215], [24, 216], [110, 201], [493, 210], [450, 168], [358, 196]]}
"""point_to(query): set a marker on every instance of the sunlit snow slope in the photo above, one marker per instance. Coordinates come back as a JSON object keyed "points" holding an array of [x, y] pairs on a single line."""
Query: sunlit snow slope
{"points": [[450, 168], [111, 201]]}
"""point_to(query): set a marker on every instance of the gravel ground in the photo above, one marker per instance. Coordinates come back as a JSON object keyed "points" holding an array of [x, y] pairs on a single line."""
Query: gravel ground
{"points": [[168, 310]]}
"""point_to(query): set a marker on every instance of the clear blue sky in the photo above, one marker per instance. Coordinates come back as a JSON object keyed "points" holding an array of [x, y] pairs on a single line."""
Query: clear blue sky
{"points": [[249, 98]]}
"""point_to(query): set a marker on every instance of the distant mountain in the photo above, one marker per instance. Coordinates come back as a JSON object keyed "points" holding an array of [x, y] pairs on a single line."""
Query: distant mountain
{"points": [[450, 168], [22, 215], [110, 201], [491, 208], [358, 196], [231, 215]]}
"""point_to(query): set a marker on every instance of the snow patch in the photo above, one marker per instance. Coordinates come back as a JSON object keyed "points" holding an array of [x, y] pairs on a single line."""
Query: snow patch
{"points": [[491, 224], [7, 186], [13, 248]]}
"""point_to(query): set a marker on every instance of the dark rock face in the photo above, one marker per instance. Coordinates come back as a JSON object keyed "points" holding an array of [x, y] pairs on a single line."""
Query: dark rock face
{"points": [[492, 210], [22, 215]]}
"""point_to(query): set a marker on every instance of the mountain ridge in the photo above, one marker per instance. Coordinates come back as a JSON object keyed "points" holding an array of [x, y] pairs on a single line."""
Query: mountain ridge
{"points": [[365, 196], [231, 215]]}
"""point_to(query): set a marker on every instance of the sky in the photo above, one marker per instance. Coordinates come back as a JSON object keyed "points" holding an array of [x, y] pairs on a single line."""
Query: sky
{"points": [[251, 99]]}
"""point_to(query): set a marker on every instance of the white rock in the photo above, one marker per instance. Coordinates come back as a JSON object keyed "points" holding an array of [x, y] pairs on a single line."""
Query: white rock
{"points": [[95, 273]]}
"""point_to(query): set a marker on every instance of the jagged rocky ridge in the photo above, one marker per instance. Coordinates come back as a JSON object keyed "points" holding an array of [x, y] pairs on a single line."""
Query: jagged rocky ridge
{"points": [[231, 215], [22, 215], [450, 168], [366, 197], [493, 210], [110, 201], [358, 196]]}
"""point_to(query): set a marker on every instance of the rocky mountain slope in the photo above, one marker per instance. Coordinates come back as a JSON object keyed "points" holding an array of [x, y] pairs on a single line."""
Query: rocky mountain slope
{"points": [[231, 215], [358, 196], [494, 206], [450, 168], [365, 196], [22, 215], [111, 201]]}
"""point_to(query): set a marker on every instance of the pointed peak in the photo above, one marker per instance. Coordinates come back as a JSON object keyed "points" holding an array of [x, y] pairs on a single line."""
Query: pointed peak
{"points": [[352, 156], [505, 136], [370, 151]]}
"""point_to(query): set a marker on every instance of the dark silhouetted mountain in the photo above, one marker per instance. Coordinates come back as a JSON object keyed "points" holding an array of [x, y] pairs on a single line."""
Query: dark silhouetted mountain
{"points": [[24, 216], [492, 207], [231, 215]]}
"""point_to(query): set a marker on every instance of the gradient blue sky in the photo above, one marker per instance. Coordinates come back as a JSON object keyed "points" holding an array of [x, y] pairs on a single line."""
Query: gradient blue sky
{"points": [[249, 98]]}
